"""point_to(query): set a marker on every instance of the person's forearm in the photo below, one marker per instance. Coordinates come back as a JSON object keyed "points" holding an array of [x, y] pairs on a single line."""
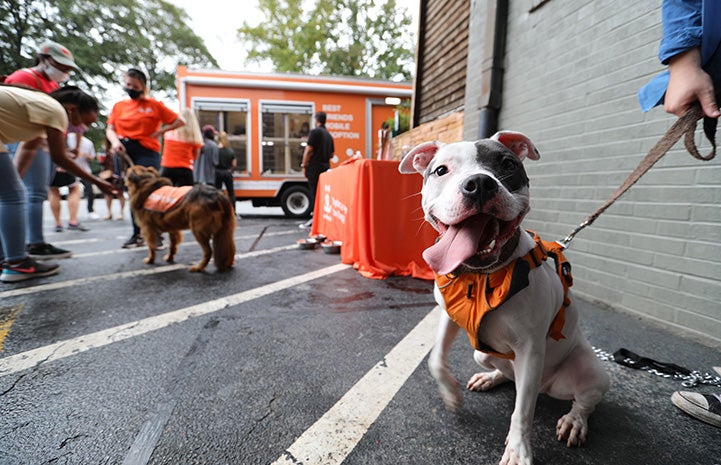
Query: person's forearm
{"points": [[306, 156], [169, 127], [112, 136], [688, 58], [56, 148], [175, 124]]}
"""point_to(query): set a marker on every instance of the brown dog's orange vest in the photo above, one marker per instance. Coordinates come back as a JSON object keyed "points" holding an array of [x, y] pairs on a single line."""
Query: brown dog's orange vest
{"points": [[165, 198], [470, 296]]}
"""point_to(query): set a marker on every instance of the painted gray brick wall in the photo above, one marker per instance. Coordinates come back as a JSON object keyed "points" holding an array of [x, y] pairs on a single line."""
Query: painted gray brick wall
{"points": [[473, 77], [572, 71]]}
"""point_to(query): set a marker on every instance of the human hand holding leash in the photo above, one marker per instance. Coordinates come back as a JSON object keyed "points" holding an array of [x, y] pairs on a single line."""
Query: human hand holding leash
{"points": [[689, 84]]}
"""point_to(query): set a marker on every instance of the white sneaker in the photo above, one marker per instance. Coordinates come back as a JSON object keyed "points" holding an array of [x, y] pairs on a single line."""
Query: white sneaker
{"points": [[307, 225], [705, 407], [93, 216]]}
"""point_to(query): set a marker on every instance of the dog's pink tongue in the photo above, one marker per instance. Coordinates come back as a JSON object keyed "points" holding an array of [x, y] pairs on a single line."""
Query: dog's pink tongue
{"points": [[456, 245]]}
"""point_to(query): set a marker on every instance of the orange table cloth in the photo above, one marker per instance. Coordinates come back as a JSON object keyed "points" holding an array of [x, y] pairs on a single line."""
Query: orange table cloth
{"points": [[376, 212]]}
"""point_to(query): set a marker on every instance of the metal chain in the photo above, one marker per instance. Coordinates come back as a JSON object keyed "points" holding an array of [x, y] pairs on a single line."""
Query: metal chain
{"points": [[693, 379], [696, 378], [603, 355]]}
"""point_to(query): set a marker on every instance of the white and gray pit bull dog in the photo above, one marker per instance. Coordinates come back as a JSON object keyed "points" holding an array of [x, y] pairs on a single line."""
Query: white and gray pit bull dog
{"points": [[475, 194]]}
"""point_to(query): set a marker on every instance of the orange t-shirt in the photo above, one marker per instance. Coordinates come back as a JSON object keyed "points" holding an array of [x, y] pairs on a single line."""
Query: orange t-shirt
{"points": [[138, 119], [178, 154]]}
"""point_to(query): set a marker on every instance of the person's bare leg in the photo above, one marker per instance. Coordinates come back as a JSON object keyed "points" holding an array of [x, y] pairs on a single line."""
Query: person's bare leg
{"points": [[54, 200], [74, 203], [109, 204], [121, 199]]}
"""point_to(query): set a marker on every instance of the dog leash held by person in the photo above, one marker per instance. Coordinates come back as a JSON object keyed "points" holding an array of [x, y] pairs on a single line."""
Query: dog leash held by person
{"points": [[684, 126]]}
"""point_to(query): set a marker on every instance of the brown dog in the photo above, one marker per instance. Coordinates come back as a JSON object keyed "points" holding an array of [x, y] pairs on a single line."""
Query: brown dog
{"points": [[203, 209]]}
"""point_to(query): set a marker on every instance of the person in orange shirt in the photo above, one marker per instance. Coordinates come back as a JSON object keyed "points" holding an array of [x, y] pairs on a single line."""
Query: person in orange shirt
{"points": [[180, 149], [134, 128]]}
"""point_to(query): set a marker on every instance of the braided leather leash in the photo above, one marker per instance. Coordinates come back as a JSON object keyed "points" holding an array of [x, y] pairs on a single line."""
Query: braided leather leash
{"points": [[685, 125], [125, 158]]}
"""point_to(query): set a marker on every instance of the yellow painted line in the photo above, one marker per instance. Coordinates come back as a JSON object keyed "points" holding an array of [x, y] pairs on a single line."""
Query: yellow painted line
{"points": [[8, 315]]}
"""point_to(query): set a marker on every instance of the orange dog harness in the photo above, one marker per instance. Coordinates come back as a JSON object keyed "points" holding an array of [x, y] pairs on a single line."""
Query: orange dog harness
{"points": [[470, 296], [164, 198]]}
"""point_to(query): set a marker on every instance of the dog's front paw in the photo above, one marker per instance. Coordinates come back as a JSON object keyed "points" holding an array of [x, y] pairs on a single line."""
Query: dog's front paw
{"points": [[451, 394], [169, 258], [449, 388], [572, 427], [484, 381], [148, 260], [196, 269], [517, 453]]}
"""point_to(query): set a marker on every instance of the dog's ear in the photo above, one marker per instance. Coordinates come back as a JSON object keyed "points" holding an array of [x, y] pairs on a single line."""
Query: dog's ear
{"points": [[152, 170], [417, 160], [517, 143], [131, 177]]}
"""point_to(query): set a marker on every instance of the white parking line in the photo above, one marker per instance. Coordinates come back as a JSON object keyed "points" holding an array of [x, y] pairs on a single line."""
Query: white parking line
{"points": [[62, 349], [126, 274], [188, 241], [335, 434]]}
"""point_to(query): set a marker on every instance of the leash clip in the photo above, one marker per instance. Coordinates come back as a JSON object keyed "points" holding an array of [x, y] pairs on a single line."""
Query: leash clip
{"points": [[566, 242]]}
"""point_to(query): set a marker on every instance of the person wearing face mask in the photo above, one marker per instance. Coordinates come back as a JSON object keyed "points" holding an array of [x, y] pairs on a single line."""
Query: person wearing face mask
{"points": [[53, 66], [134, 128]]}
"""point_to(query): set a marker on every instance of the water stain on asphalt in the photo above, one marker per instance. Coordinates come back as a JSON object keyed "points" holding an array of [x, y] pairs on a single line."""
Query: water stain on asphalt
{"points": [[354, 298], [415, 286]]}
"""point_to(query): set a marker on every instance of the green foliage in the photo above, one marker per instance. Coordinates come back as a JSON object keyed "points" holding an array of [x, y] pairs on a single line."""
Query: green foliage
{"points": [[404, 119], [368, 38], [105, 36]]}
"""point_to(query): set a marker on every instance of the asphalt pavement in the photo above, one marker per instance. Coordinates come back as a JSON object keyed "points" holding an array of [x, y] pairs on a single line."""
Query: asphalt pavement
{"points": [[289, 358]]}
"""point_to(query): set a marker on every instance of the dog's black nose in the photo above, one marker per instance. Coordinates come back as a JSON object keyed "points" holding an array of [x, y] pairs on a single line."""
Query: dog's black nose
{"points": [[479, 187]]}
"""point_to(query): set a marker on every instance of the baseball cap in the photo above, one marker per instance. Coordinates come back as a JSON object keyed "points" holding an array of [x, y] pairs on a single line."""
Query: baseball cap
{"points": [[58, 53], [209, 128]]}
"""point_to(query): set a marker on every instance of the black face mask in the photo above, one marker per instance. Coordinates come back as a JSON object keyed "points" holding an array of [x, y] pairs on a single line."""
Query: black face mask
{"points": [[132, 93]]}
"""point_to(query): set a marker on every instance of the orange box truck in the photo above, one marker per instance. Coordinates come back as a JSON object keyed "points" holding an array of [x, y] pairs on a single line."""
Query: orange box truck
{"points": [[268, 116]]}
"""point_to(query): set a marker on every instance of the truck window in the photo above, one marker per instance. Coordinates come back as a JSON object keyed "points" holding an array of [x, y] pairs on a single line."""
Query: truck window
{"points": [[284, 132], [231, 117]]}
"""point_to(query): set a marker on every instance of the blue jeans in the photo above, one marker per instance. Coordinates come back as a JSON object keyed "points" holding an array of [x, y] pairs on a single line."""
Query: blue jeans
{"points": [[144, 157], [13, 207], [36, 180]]}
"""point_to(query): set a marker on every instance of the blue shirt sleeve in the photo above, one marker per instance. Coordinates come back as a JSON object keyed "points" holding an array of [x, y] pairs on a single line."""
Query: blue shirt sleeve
{"points": [[682, 28]]}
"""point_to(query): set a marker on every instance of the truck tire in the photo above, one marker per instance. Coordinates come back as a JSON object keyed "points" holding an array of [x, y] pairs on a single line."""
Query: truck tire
{"points": [[295, 202]]}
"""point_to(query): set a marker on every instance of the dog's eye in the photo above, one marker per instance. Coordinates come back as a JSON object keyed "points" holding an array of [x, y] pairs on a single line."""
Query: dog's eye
{"points": [[509, 164], [441, 170]]}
